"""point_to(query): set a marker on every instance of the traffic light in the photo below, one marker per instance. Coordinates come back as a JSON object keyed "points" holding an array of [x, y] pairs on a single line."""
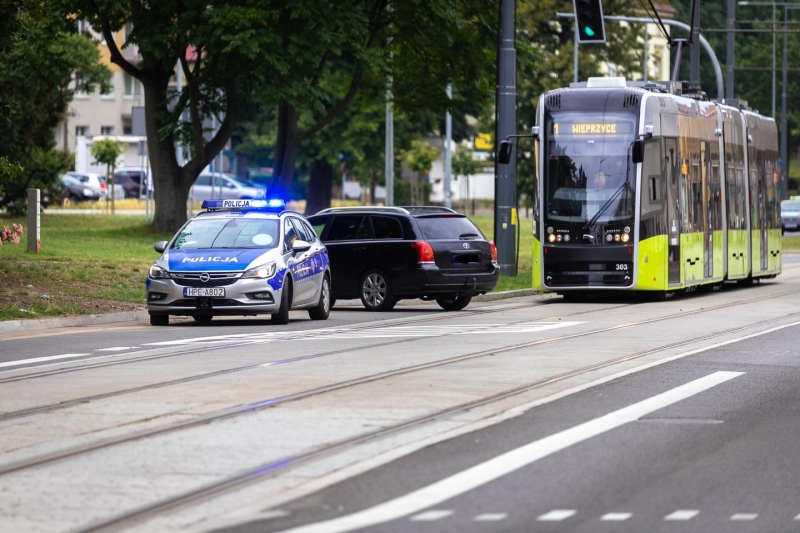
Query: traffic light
{"points": [[589, 17]]}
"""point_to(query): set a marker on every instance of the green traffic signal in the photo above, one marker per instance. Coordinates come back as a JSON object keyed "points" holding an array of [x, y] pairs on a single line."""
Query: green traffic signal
{"points": [[588, 31]]}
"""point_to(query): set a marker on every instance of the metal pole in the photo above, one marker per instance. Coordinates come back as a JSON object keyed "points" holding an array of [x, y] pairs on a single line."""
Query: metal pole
{"points": [[448, 151], [34, 221], [773, 61], [694, 51], [729, 55], [646, 49], [505, 214], [575, 56], [388, 167], [784, 83]]}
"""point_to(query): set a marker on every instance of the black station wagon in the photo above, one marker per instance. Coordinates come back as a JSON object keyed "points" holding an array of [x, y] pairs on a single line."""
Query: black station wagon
{"points": [[385, 254]]}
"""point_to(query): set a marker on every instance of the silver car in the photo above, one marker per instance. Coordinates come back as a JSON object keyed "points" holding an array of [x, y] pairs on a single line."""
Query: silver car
{"points": [[224, 186], [790, 214], [240, 257]]}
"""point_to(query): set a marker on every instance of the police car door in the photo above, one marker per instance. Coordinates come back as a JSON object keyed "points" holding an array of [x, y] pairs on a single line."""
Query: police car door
{"points": [[299, 264]]}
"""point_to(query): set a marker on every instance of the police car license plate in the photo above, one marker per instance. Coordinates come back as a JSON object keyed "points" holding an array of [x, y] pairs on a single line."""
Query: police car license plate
{"points": [[204, 292]]}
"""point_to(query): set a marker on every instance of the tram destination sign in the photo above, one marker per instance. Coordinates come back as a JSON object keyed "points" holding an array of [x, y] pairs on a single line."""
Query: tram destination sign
{"points": [[592, 128]]}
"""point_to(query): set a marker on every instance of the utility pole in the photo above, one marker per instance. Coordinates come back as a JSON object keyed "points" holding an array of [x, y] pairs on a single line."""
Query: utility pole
{"points": [[448, 151], [505, 185], [784, 83], [729, 54], [694, 52]]}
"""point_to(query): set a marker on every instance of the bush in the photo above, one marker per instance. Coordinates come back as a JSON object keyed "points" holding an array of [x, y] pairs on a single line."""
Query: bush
{"points": [[10, 235], [402, 191]]}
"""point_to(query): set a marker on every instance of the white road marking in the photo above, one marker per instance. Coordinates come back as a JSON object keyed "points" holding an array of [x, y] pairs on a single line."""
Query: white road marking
{"points": [[615, 517], [511, 461], [490, 517], [431, 516], [683, 514], [797, 517], [41, 359], [744, 516], [116, 349], [556, 515], [376, 332]]}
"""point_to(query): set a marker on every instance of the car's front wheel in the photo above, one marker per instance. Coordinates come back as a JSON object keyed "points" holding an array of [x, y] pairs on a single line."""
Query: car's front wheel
{"points": [[323, 309], [376, 292], [159, 320], [454, 303], [203, 318], [282, 316]]}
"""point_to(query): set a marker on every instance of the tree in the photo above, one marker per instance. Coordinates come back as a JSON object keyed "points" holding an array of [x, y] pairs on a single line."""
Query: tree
{"points": [[43, 61], [107, 152], [464, 165], [419, 159], [279, 54]]}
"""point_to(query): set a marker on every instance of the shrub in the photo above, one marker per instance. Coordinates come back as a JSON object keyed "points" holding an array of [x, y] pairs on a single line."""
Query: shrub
{"points": [[10, 235]]}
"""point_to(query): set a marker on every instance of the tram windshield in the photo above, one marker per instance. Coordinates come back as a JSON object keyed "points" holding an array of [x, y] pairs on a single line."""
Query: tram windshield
{"points": [[589, 177]]}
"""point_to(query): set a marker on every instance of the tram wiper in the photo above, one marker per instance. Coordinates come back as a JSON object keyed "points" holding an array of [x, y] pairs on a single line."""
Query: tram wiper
{"points": [[592, 221]]}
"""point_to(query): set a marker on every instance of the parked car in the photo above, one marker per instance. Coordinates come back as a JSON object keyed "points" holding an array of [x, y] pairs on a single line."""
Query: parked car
{"points": [[225, 187], [134, 180], [91, 180], [75, 191], [790, 215], [385, 254]]}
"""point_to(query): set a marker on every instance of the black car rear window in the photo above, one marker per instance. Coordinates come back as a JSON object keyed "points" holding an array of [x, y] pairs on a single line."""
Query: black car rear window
{"points": [[346, 228], [448, 227], [387, 227]]}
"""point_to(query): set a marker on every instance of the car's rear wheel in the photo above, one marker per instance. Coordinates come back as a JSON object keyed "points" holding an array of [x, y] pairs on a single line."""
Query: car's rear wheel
{"points": [[323, 308], [203, 318], [454, 303], [376, 292], [282, 316], [159, 320]]}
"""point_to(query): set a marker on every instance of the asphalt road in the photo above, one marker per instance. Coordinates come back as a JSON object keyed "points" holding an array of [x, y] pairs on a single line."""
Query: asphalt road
{"points": [[530, 414]]}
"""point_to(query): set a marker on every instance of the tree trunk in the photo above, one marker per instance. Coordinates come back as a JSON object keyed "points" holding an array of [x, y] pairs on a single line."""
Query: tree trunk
{"points": [[287, 149], [319, 187]]}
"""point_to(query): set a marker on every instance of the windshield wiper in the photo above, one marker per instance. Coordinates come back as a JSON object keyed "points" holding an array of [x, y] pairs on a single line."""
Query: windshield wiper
{"points": [[592, 221]]}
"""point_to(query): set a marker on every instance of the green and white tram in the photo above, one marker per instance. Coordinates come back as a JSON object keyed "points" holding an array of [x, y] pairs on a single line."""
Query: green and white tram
{"points": [[643, 189]]}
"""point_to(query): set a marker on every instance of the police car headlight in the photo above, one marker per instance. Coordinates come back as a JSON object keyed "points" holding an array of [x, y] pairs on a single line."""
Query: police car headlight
{"points": [[156, 272], [261, 272]]}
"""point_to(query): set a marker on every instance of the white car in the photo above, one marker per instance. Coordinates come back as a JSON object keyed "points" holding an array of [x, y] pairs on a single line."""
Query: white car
{"points": [[224, 187], [97, 183]]}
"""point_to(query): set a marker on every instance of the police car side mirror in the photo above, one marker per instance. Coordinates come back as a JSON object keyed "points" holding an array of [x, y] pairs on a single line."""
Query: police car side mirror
{"points": [[299, 247], [160, 246]]}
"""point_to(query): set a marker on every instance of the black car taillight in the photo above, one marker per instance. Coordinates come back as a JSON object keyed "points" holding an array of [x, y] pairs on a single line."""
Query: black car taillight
{"points": [[424, 252]]}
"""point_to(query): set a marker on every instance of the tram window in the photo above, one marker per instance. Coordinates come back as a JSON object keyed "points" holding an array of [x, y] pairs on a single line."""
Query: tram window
{"points": [[653, 188]]}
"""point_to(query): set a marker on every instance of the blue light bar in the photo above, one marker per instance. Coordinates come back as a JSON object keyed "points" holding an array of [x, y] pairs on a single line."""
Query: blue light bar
{"points": [[258, 205]]}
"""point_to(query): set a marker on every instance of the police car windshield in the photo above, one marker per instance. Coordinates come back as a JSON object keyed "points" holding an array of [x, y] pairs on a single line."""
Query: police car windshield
{"points": [[203, 233]]}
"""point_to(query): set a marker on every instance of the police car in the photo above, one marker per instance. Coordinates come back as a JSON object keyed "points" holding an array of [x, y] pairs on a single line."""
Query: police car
{"points": [[240, 257]]}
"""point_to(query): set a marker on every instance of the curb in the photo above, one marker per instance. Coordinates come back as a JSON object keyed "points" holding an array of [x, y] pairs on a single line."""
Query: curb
{"points": [[39, 324]]}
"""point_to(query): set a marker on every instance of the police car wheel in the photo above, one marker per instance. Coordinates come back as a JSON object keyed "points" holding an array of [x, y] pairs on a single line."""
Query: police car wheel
{"points": [[282, 316], [454, 303], [376, 292], [323, 308], [159, 320], [203, 318]]}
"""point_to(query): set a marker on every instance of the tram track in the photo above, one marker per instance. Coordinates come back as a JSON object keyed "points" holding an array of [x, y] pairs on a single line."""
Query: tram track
{"points": [[272, 402], [275, 467]]}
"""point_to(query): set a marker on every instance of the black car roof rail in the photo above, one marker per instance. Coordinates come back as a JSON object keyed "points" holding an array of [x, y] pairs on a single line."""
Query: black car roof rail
{"points": [[364, 208]]}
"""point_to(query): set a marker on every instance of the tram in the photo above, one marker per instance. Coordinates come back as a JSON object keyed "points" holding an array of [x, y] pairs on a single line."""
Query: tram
{"points": [[644, 186]]}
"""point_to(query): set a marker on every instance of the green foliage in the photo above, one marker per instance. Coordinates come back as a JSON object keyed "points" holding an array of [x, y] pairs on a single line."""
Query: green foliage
{"points": [[420, 156], [106, 152], [40, 52], [406, 194], [463, 164]]}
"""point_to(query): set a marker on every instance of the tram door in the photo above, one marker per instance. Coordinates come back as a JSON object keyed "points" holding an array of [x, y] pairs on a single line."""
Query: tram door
{"points": [[708, 248], [673, 210]]}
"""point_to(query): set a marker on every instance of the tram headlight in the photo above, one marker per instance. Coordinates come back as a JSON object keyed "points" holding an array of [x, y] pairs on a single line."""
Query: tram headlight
{"points": [[609, 237], [566, 238], [616, 237], [558, 238], [551, 238], [625, 237]]}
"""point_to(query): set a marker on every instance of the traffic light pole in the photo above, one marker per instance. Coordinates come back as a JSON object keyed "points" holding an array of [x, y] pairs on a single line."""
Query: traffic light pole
{"points": [[505, 184]]}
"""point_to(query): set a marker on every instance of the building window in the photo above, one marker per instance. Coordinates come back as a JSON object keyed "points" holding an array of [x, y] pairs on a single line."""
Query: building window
{"points": [[81, 131], [83, 26], [106, 130], [133, 88], [79, 93]]}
